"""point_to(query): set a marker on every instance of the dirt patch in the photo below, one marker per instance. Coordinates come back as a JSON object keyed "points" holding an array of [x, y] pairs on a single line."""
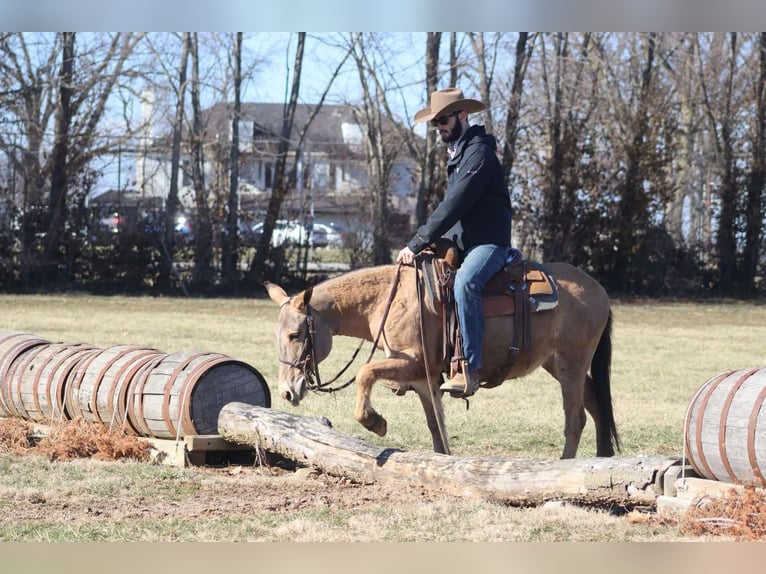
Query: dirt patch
{"points": [[212, 492], [223, 492]]}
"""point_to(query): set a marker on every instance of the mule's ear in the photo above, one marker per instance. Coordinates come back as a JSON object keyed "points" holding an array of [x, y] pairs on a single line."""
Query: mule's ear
{"points": [[276, 293], [307, 295]]}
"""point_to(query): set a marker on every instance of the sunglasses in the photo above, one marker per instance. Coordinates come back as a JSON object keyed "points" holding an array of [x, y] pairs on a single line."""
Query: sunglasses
{"points": [[443, 120]]}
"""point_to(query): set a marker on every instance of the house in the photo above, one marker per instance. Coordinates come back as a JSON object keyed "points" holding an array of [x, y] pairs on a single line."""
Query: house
{"points": [[331, 169]]}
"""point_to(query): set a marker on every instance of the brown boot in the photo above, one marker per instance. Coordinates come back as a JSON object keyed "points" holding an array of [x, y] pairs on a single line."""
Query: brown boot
{"points": [[463, 384]]}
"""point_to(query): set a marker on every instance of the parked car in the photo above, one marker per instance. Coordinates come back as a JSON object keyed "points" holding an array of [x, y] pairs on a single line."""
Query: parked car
{"points": [[286, 232], [291, 232], [325, 235], [112, 222], [154, 226]]}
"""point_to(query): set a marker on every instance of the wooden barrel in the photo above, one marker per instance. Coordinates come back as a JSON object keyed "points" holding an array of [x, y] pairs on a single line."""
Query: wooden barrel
{"points": [[725, 428], [13, 345], [37, 381], [181, 394], [97, 390]]}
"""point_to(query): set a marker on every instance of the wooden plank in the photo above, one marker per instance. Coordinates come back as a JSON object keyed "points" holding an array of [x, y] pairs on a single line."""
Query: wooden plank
{"points": [[672, 506], [673, 474], [191, 450], [690, 488], [212, 442], [169, 452]]}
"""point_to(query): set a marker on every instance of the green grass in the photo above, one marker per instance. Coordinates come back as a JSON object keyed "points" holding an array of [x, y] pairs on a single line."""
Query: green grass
{"points": [[663, 352]]}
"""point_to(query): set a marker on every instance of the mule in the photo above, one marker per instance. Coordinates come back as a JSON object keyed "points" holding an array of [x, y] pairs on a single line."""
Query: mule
{"points": [[572, 342]]}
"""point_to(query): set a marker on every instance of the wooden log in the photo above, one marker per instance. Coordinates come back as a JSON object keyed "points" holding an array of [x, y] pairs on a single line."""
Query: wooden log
{"points": [[312, 441]]}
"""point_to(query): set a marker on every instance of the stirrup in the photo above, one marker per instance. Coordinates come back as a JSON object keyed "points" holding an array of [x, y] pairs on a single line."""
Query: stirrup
{"points": [[458, 388]]}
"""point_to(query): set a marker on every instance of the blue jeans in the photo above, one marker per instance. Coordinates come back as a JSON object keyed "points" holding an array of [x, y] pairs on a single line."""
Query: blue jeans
{"points": [[480, 263]]}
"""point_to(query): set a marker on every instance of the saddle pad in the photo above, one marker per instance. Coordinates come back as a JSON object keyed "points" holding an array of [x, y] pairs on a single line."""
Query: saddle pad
{"points": [[538, 283], [497, 305], [498, 297]]}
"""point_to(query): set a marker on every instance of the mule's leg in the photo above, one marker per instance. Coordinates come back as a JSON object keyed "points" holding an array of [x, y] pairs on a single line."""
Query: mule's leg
{"points": [[434, 411], [570, 373], [391, 369]]}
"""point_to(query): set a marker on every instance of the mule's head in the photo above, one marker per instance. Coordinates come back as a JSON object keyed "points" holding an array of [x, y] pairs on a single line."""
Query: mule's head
{"points": [[303, 340]]}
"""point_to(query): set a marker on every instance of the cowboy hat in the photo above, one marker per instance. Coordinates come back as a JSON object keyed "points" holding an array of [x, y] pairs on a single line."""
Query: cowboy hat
{"points": [[447, 101]]}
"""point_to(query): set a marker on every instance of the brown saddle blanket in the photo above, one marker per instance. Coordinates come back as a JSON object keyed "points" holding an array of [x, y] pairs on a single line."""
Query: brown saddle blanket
{"points": [[530, 276]]}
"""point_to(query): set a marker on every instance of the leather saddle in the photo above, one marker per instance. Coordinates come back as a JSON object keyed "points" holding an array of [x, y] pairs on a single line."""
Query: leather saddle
{"points": [[521, 287]]}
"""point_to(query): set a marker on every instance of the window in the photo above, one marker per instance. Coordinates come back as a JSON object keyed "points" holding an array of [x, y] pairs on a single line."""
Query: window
{"points": [[331, 175]]}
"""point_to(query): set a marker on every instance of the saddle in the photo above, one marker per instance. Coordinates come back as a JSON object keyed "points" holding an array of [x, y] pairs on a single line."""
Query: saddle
{"points": [[521, 287]]}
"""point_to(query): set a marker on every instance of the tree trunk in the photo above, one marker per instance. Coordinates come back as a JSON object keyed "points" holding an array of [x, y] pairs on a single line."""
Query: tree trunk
{"points": [[171, 207], [230, 243], [683, 179], [280, 187], [59, 179], [485, 74], [753, 215], [633, 214], [523, 55], [726, 236], [312, 441], [203, 232], [553, 217], [428, 177]]}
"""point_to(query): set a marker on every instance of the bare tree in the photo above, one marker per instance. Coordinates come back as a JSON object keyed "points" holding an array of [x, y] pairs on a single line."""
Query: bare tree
{"points": [[172, 204], [523, 54], [230, 239], [202, 276], [75, 93], [679, 62], [383, 141], [757, 178], [569, 108], [721, 110], [426, 186], [281, 188]]}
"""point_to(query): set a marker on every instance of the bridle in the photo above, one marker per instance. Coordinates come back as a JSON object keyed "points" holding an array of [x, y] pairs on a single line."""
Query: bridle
{"points": [[306, 361]]}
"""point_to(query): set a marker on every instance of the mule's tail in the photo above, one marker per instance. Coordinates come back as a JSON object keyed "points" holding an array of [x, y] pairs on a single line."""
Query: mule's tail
{"points": [[600, 368]]}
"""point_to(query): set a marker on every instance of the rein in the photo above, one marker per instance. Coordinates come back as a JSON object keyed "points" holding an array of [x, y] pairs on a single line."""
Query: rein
{"points": [[309, 365], [431, 390]]}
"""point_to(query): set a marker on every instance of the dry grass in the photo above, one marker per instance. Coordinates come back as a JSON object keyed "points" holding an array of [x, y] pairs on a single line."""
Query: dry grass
{"points": [[16, 436], [71, 439], [740, 514], [663, 352]]}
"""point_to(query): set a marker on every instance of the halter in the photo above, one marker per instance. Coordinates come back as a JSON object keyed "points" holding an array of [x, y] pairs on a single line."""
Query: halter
{"points": [[307, 364], [306, 361]]}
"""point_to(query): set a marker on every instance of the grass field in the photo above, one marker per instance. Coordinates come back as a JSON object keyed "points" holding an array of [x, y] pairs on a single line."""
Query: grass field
{"points": [[663, 351]]}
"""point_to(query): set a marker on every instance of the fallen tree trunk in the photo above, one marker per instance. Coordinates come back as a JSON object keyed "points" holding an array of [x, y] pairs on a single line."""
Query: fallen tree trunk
{"points": [[312, 441]]}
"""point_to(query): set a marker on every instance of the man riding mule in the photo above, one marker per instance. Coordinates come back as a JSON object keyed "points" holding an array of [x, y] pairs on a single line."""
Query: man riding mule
{"points": [[571, 339], [476, 198]]}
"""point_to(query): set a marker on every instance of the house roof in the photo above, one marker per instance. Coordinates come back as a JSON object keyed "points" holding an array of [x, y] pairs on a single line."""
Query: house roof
{"points": [[334, 128], [266, 122]]}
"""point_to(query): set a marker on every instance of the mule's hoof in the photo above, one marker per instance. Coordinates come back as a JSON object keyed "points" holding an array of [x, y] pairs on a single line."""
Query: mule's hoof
{"points": [[376, 424]]}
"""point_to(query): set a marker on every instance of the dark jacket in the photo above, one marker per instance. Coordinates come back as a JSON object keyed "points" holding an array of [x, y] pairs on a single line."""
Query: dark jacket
{"points": [[477, 196]]}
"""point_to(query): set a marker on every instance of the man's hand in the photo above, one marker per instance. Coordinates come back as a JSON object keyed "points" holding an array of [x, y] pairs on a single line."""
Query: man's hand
{"points": [[405, 256]]}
